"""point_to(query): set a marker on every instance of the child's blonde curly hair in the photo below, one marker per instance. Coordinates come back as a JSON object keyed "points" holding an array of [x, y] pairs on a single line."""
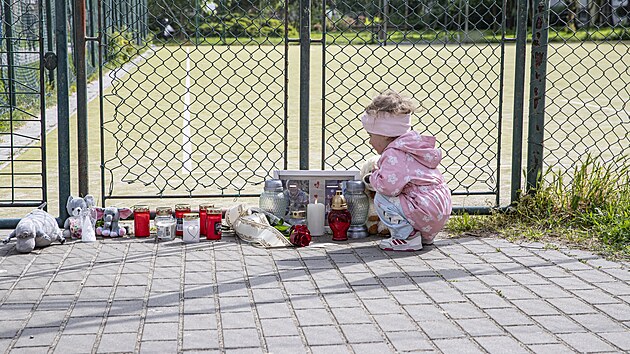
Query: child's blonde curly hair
{"points": [[392, 102]]}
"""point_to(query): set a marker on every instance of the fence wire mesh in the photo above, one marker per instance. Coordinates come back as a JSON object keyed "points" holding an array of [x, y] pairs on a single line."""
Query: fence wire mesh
{"points": [[201, 111], [203, 99], [447, 55], [22, 180], [588, 84]]}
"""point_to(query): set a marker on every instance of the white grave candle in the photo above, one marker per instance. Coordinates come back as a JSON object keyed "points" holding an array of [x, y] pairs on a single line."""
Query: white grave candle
{"points": [[315, 218]]}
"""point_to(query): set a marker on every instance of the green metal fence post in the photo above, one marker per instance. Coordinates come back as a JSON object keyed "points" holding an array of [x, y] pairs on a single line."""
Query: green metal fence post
{"points": [[80, 65], [63, 106], [519, 98], [8, 30], [305, 64], [540, 33], [49, 36]]}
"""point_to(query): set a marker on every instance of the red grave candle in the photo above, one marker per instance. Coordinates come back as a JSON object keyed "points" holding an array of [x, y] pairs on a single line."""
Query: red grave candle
{"points": [[141, 221], [339, 218], [213, 224], [203, 213]]}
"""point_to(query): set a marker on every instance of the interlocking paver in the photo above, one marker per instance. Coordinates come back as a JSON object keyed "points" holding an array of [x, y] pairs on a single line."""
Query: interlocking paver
{"points": [[572, 306], [457, 346], [531, 335], [201, 321], [441, 329], [372, 348], [572, 283], [313, 317], [501, 345], [558, 324], [480, 327], [535, 307], [595, 297], [488, 301], [361, 333], [620, 312], [301, 302], [160, 331], [277, 310], [619, 339], [162, 314], [461, 295], [322, 335], [158, 347], [403, 341], [122, 324], [237, 320], [326, 349], [205, 339], [598, 323], [117, 342], [288, 345], [460, 310], [75, 343], [585, 342], [394, 322], [278, 327], [551, 349], [8, 328], [350, 315]]}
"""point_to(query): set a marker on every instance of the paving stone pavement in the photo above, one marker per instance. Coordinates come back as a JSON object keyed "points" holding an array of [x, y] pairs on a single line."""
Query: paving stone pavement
{"points": [[464, 295]]}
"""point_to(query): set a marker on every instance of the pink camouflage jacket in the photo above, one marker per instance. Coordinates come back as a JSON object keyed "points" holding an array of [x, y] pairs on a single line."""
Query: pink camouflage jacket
{"points": [[408, 169]]}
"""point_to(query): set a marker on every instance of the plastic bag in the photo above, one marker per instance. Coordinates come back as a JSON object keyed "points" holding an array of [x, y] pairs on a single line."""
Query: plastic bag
{"points": [[88, 223], [254, 228]]}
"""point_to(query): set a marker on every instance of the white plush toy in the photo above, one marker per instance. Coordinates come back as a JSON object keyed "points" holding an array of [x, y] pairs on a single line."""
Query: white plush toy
{"points": [[375, 226]]}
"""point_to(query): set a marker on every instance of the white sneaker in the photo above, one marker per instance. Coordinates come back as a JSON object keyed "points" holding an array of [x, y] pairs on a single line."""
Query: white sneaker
{"points": [[395, 244]]}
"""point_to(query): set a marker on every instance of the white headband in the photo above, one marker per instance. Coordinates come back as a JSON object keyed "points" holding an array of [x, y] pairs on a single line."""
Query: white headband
{"points": [[387, 124]]}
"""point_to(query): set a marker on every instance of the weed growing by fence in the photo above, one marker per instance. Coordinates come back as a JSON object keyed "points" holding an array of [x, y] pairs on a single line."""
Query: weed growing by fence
{"points": [[592, 209]]}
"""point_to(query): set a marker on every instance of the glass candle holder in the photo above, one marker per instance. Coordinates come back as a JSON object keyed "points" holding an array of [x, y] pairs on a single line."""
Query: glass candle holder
{"points": [[141, 221], [180, 210], [339, 217], [165, 223], [191, 228], [358, 205], [272, 199]]}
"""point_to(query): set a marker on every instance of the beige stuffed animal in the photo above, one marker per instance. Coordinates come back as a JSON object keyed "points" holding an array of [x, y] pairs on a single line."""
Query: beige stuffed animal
{"points": [[374, 224]]}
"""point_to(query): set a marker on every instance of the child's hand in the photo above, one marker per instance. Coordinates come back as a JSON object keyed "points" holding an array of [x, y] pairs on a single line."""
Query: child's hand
{"points": [[369, 166]]}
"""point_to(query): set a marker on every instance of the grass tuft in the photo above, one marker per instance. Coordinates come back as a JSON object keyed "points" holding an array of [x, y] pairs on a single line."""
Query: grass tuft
{"points": [[589, 208]]}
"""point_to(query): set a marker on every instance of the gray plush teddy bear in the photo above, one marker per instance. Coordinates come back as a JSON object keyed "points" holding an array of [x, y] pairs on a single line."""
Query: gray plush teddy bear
{"points": [[36, 229], [75, 206]]}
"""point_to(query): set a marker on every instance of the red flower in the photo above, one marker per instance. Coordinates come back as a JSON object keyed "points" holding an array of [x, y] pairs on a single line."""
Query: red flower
{"points": [[299, 235]]}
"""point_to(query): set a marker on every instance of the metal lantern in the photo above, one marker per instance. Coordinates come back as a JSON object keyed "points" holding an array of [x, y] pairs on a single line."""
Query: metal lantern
{"points": [[358, 205]]}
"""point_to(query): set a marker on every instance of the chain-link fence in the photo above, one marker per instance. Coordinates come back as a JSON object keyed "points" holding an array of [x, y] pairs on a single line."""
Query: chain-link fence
{"points": [[209, 97], [202, 110], [221, 109], [588, 83], [21, 98], [447, 55]]}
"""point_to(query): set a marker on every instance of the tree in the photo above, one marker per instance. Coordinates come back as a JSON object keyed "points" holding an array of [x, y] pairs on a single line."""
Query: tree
{"points": [[600, 13]]}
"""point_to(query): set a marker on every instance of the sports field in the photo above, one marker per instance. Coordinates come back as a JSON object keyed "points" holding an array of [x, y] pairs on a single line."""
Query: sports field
{"points": [[211, 119]]}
